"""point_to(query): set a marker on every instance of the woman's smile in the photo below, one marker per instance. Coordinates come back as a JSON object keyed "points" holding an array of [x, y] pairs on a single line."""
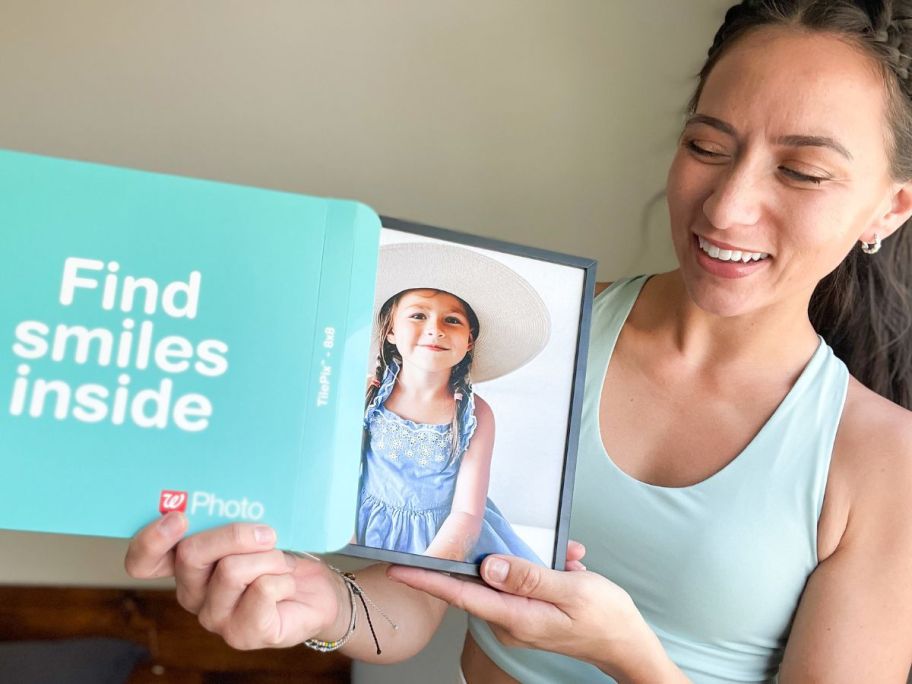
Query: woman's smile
{"points": [[727, 261]]}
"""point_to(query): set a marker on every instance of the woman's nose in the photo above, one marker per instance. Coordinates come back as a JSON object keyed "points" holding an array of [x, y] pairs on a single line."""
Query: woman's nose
{"points": [[431, 329], [736, 198]]}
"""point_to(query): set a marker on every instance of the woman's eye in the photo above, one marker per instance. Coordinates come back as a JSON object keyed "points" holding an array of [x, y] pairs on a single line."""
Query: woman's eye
{"points": [[454, 321], [802, 177], [701, 151], [417, 316]]}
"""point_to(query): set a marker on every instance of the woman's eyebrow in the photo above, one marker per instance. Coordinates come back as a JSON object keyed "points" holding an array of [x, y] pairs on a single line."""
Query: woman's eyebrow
{"points": [[787, 140], [814, 141], [712, 121]]}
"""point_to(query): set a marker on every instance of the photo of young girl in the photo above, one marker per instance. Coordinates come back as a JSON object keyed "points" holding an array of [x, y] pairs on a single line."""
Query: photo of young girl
{"points": [[447, 317]]}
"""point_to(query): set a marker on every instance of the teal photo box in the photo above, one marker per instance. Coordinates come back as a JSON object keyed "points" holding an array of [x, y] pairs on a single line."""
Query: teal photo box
{"points": [[177, 344]]}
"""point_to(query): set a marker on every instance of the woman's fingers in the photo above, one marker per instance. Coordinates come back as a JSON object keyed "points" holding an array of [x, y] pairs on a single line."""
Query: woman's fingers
{"points": [[471, 596], [241, 587], [279, 610], [575, 551], [483, 602], [256, 621], [524, 578], [196, 556], [508, 574], [151, 552], [231, 578]]}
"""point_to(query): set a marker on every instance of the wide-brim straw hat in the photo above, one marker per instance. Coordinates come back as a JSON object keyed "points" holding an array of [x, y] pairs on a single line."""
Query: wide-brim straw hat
{"points": [[513, 321]]}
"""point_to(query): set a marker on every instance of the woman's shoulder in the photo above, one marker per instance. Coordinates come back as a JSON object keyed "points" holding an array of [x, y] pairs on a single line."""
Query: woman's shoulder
{"points": [[873, 428], [871, 471]]}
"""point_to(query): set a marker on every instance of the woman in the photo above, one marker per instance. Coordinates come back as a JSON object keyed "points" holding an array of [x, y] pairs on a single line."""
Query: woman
{"points": [[747, 496]]}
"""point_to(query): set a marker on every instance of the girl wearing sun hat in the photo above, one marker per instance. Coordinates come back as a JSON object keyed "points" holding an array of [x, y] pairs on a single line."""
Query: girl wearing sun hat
{"points": [[447, 316]]}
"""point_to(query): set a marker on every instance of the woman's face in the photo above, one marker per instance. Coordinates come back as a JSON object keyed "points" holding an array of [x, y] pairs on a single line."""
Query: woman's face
{"points": [[786, 156], [431, 330]]}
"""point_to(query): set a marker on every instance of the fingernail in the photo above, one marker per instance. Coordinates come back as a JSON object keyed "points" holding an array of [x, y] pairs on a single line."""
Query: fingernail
{"points": [[263, 534], [497, 569], [172, 525]]}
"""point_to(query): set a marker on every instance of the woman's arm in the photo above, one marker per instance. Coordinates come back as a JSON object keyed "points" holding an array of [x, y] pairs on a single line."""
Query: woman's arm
{"points": [[459, 532], [854, 621], [255, 596], [579, 614]]}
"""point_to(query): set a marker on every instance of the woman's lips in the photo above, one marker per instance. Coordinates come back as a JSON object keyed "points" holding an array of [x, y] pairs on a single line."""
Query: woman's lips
{"points": [[725, 269]]}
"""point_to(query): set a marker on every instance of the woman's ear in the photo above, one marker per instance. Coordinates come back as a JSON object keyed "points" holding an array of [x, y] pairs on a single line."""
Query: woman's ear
{"points": [[391, 337], [897, 213]]}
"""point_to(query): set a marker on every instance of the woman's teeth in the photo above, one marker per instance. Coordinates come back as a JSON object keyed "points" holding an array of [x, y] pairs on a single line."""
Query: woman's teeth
{"points": [[730, 254]]}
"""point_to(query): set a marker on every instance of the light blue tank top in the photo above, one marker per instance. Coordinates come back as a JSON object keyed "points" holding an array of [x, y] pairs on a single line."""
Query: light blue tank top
{"points": [[716, 568]]}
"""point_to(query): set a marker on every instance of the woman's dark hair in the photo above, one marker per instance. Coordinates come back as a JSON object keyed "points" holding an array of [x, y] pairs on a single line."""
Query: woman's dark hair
{"points": [[460, 383], [863, 309]]}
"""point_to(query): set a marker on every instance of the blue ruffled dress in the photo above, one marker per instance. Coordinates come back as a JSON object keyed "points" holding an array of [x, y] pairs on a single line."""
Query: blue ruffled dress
{"points": [[408, 479]]}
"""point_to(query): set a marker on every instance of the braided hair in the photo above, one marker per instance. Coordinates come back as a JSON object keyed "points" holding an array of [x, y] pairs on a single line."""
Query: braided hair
{"points": [[460, 384], [863, 309]]}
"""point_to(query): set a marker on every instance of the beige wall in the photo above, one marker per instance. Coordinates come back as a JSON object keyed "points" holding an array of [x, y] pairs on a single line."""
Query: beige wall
{"points": [[543, 122]]}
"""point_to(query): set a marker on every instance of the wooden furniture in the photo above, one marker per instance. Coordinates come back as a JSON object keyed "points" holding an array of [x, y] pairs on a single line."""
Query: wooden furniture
{"points": [[182, 651]]}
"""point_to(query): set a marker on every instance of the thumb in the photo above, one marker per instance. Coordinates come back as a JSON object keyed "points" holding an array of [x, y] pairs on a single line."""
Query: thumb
{"points": [[524, 578], [151, 550]]}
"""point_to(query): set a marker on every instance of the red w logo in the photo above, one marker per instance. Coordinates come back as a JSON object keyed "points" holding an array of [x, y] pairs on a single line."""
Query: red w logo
{"points": [[172, 501]]}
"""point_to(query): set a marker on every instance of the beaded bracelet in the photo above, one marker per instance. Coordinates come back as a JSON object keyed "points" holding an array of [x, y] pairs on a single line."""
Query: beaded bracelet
{"points": [[328, 646], [354, 589]]}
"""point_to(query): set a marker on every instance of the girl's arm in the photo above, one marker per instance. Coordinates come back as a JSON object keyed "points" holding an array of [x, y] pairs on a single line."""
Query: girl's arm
{"points": [[459, 532]]}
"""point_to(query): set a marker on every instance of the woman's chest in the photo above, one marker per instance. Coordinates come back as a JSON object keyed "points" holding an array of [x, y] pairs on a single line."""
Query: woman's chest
{"points": [[711, 528], [672, 430]]}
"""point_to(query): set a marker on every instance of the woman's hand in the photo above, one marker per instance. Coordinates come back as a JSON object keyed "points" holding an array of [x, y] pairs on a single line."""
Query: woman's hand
{"points": [[577, 613], [239, 585]]}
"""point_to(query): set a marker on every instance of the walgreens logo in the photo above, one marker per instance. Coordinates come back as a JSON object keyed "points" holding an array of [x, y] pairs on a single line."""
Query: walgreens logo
{"points": [[172, 501], [207, 503]]}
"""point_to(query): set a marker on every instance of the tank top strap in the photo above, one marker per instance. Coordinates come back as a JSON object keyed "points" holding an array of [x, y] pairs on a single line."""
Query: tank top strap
{"points": [[610, 310], [796, 443]]}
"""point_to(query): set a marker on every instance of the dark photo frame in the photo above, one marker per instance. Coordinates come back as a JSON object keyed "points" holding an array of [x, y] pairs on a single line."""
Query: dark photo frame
{"points": [[526, 384]]}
